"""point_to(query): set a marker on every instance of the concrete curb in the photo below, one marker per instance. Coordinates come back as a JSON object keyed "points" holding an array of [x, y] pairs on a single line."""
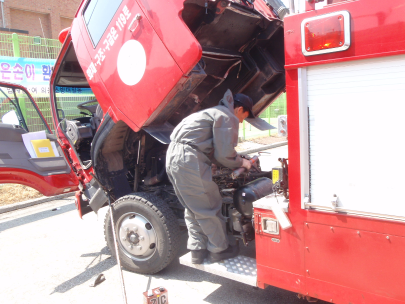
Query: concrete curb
{"points": [[265, 147], [33, 202]]}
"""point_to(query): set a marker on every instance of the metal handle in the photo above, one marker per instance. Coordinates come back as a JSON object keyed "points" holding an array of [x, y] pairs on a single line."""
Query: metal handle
{"points": [[136, 18]]}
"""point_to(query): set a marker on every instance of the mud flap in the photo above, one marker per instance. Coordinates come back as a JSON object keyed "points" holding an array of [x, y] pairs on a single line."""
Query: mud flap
{"points": [[98, 200]]}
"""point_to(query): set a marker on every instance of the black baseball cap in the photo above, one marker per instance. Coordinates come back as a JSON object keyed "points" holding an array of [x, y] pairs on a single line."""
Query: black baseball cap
{"points": [[257, 122], [246, 102]]}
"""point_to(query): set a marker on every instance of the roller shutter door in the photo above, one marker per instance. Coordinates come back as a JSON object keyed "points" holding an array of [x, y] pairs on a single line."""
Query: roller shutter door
{"points": [[357, 134]]}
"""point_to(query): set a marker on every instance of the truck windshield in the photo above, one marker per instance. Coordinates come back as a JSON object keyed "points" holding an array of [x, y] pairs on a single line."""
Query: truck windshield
{"points": [[98, 15]]}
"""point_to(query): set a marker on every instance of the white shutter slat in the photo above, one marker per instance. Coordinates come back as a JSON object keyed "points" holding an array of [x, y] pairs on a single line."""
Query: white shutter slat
{"points": [[356, 126]]}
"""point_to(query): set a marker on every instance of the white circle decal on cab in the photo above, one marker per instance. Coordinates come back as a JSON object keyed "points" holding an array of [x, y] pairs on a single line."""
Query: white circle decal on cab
{"points": [[131, 62]]}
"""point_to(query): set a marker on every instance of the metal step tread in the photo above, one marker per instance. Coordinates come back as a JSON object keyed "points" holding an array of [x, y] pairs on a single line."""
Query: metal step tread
{"points": [[241, 268]]}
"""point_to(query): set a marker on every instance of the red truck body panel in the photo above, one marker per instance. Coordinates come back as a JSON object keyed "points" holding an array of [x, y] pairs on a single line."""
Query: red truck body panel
{"points": [[47, 185], [377, 30], [335, 257]]}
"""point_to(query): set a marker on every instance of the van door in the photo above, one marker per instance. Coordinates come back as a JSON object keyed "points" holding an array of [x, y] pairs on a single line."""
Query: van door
{"points": [[40, 162], [133, 63]]}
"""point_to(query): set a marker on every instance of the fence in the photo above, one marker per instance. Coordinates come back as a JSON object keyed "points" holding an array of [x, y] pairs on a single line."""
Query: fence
{"points": [[14, 45], [278, 107]]}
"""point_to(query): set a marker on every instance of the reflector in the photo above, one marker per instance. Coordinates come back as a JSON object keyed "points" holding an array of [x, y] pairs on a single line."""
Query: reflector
{"points": [[325, 34]]}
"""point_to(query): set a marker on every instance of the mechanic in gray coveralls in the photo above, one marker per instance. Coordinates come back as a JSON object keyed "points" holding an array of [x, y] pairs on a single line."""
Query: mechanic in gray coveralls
{"points": [[213, 131]]}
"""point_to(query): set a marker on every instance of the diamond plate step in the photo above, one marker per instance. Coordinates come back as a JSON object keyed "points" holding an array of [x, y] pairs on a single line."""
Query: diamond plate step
{"points": [[240, 268]]}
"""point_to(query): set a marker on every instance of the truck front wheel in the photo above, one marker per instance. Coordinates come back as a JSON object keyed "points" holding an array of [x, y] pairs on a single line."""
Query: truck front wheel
{"points": [[147, 233]]}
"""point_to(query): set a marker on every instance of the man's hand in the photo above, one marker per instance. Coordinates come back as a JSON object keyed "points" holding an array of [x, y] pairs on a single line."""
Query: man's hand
{"points": [[246, 164]]}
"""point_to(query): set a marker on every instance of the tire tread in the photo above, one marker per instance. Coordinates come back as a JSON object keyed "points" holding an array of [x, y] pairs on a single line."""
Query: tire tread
{"points": [[164, 213]]}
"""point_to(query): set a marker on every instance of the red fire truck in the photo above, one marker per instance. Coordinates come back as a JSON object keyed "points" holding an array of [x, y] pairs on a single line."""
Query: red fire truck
{"points": [[319, 226]]}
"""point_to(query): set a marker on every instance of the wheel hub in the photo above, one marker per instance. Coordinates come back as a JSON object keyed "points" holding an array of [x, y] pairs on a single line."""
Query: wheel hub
{"points": [[136, 236], [133, 238]]}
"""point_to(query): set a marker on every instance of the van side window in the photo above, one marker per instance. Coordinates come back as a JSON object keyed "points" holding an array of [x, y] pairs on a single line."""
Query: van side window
{"points": [[98, 15]]}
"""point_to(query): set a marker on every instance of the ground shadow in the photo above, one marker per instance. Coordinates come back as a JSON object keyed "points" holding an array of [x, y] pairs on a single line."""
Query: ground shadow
{"points": [[89, 272], [36, 217], [229, 291]]}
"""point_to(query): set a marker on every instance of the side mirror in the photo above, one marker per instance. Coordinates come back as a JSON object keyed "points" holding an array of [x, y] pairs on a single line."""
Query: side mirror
{"points": [[10, 118]]}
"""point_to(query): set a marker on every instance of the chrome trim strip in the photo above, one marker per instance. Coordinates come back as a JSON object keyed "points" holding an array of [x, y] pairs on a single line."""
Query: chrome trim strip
{"points": [[304, 136], [310, 207]]}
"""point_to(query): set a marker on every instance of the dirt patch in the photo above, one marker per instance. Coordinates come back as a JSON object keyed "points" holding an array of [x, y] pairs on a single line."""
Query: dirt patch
{"points": [[13, 193]]}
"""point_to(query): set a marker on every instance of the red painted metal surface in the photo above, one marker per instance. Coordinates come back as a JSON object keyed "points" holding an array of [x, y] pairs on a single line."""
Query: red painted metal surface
{"points": [[334, 293], [47, 185], [279, 278], [357, 222], [342, 268], [276, 263], [362, 260], [287, 257], [169, 26], [378, 29], [271, 249], [82, 175], [161, 75]]}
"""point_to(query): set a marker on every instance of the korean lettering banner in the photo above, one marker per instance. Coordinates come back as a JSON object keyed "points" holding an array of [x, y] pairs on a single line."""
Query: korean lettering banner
{"points": [[32, 73]]}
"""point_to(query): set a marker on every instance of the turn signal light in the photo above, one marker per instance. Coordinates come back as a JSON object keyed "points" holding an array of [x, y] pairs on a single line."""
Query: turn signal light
{"points": [[326, 34]]}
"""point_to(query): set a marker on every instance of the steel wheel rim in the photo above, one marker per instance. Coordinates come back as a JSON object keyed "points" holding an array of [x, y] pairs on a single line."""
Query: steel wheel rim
{"points": [[136, 236]]}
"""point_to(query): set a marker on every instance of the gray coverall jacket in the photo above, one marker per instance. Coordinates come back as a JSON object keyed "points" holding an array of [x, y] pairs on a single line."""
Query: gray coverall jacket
{"points": [[189, 170]]}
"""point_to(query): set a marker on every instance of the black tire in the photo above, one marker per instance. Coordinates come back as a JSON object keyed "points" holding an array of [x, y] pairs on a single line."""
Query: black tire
{"points": [[164, 225]]}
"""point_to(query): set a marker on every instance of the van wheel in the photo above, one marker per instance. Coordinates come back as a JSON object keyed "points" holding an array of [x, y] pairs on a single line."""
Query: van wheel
{"points": [[147, 230]]}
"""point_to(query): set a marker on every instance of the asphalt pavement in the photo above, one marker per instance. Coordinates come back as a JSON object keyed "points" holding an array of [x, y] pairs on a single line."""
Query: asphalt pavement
{"points": [[49, 255]]}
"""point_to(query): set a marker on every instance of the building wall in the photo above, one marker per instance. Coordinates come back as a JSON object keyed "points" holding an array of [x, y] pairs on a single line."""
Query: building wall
{"points": [[31, 22], [55, 16], [65, 22]]}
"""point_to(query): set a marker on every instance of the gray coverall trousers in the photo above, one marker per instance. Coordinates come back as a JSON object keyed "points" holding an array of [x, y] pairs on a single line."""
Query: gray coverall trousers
{"points": [[189, 171]]}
